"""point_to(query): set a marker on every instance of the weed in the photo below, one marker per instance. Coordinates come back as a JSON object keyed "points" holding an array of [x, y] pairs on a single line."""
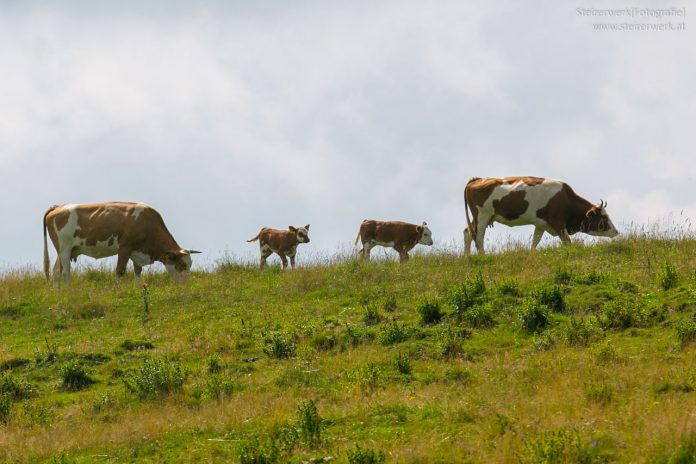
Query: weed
{"points": [[155, 377], [622, 314], [5, 407], [17, 389], [392, 333], [368, 455], [580, 331], [599, 392], [668, 277], [103, 402], [685, 453], [371, 316], [533, 316], [591, 278], [562, 276], [552, 298], [323, 342], [458, 374], [389, 304], [467, 294], [686, 330], [75, 376], [255, 452], [429, 311], [136, 345], [279, 346], [214, 363], [309, 423], [403, 364]]}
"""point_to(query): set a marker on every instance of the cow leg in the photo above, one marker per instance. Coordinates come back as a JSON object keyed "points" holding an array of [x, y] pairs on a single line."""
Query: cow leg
{"points": [[403, 256], [367, 247], [292, 262], [284, 260], [137, 270], [265, 253], [538, 233], [122, 261], [467, 242], [57, 271], [480, 235], [565, 238], [64, 258]]}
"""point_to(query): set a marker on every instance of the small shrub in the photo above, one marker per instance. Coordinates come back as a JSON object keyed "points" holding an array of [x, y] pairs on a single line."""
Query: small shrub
{"points": [[13, 363], [136, 345], [5, 407], [403, 364], [668, 277], [366, 378], [218, 387], [467, 294], [622, 314], [450, 343], [323, 342], [75, 376], [255, 452], [392, 333], [371, 316], [103, 402], [544, 341], [389, 304], [560, 445], [591, 278], [309, 423], [533, 316], [368, 455], [552, 298], [508, 287], [603, 353], [684, 453], [429, 312], [458, 374], [562, 276], [580, 331], [18, 389], [481, 316], [686, 330], [280, 347], [599, 392], [155, 377], [214, 363]]}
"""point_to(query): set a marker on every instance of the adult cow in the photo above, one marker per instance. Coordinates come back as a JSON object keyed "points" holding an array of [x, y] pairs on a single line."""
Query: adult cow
{"points": [[549, 205], [282, 242], [132, 231], [401, 236]]}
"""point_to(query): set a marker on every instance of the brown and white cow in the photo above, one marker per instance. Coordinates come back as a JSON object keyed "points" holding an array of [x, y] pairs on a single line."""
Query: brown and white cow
{"points": [[132, 231], [549, 205], [282, 242], [401, 236]]}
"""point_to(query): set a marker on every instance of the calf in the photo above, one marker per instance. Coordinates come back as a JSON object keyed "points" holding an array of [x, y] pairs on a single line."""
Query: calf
{"points": [[132, 231], [282, 242], [401, 236], [549, 205]]}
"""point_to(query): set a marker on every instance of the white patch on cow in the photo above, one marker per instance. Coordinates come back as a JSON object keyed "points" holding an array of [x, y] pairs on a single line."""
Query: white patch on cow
{"points": [[101, 249], [137, 210], [266, 249], [537, 196], [292, 251], [427, 238], [384, 244], [140, 258]]}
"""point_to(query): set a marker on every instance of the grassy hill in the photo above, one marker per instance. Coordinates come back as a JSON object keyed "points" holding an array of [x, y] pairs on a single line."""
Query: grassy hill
{"points": [[578, 354]]}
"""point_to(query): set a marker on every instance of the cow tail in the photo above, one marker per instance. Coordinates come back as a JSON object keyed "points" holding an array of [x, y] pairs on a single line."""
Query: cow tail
{"points": [[46, 261], [357, 238], [472, 230], [255, 238]]}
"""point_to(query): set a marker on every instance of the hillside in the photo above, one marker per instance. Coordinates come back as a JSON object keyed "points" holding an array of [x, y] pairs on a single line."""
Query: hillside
{"points": [[578, 354]]}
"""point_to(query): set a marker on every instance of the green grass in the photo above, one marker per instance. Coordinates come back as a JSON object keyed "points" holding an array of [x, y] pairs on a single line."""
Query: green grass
{"points": [[577, 354]]}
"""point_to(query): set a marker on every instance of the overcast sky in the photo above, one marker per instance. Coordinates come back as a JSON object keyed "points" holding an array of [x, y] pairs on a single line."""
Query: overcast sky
{"points": [[229, 116]]}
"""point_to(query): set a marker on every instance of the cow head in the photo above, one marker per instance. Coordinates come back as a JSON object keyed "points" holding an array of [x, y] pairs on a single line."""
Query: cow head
{"points": [[597, 222], [426, 237], [178, 263], [302, 233]]}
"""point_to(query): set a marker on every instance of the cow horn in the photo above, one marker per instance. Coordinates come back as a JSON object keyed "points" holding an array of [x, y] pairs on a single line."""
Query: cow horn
{"points": [[193, 252]]}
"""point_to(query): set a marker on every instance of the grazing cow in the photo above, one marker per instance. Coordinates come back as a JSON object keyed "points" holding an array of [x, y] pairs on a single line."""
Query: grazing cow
{"points": [[282, 242], [132, 231], [549, 205], [401, 236]]}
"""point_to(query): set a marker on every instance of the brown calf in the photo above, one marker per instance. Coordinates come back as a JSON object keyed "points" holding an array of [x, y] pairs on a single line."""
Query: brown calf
{"points": [[401, 236], [282, 242]]}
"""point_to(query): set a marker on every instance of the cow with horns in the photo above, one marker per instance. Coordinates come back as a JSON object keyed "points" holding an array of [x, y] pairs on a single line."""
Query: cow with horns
{"points": [[549, 205]]}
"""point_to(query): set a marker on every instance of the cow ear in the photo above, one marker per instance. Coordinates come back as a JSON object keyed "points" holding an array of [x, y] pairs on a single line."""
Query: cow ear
{"points": [[292, 229], [419, 229], [425, 223], [307, 227], [591, 212]]}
